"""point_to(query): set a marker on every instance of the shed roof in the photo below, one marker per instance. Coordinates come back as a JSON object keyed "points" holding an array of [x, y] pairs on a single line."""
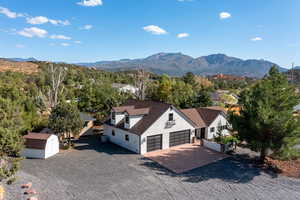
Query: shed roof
{"points": [[36, 140]]}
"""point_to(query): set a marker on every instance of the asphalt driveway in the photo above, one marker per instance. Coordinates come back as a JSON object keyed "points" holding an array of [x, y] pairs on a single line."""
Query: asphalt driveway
{"points": [[108, 172]]}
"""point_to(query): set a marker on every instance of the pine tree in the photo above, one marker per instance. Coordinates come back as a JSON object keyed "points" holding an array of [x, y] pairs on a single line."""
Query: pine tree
{"points": [[266, 119]]}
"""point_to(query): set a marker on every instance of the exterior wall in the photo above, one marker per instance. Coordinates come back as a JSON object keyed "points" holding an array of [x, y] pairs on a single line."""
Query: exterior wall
{"points": [[52, 146], [33, 153], [159, 127], [212, 145], [132, 121], [119, 117], [119, 138], [85, 129], [220, 120]]}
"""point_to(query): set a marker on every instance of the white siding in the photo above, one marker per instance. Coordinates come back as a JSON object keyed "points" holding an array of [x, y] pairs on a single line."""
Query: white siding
{"points": [[159, 127], [119, 117], [132, 121], [219, 120], [119, 138], [33, 153], [52, 146]]}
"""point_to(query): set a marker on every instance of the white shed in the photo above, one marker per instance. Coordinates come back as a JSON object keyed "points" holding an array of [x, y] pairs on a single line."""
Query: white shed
{"points": [[40, 145]]}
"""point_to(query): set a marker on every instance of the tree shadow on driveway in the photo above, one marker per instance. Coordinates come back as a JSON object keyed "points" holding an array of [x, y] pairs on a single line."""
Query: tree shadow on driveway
{"points": [[93, 143], [237, 169]]}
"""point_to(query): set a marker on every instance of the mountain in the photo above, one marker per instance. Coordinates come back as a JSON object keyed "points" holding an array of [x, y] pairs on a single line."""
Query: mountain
{"points": [[21, 59], [177, 64], [297, 67], [23, 67]]}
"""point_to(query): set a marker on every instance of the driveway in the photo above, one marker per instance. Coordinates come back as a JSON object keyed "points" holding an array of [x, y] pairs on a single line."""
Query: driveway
{"points": [[185, 157], [108, 172]]}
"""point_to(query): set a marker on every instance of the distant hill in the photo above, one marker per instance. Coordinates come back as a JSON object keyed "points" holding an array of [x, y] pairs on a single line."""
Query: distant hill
{"points": [[21, 59], [24, 67], [177, 64]]}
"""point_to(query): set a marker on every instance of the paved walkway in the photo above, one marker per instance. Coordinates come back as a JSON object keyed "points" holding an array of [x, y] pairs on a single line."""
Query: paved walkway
{"points": [[185, 157]]}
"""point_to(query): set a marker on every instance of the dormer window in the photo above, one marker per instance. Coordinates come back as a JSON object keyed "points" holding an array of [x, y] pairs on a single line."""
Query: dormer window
{"points": [[171, 117], [113, 115], [127, 119]]}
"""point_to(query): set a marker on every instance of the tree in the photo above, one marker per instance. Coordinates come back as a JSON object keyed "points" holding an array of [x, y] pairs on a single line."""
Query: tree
{"points": [[266, 118], [190, 78], [65, 121], [55, 75], [141, 82], [11, 141]]}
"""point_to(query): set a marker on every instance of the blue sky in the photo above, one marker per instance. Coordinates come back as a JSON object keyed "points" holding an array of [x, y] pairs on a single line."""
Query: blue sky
{"points": [[93, 30]]}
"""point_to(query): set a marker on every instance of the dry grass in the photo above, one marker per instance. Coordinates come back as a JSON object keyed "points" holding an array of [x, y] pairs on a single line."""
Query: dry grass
{"points": [[23, 67], [289, 168]]}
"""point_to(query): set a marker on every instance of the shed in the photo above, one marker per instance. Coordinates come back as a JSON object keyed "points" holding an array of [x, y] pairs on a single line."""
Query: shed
{"points": [[40, 145]]}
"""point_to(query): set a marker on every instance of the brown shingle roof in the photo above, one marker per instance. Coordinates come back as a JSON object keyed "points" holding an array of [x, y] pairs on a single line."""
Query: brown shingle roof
{"points": [[121, 109], [36, 140], [203, 117], [155, 110], [141, 111]]}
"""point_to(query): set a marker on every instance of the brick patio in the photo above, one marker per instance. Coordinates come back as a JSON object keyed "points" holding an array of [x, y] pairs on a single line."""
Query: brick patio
{"points": [[185, 157]]}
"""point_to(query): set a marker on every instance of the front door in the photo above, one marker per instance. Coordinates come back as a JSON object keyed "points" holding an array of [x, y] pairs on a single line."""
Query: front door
{"points": [[202, 136]]}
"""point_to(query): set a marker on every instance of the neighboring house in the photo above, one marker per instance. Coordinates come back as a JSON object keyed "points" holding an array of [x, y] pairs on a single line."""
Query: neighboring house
{"points": [[125, 88], [40, 145], [208, 121], [88, 123], [144, 126]]}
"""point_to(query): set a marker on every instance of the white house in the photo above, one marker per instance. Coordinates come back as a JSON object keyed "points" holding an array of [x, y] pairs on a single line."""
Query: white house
{"points": [[208, 120], [144, 126], [40, 145], [125, 88]]}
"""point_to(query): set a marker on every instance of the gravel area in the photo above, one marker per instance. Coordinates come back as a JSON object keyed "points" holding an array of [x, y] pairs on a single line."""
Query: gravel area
{"points": [[104, 171]]}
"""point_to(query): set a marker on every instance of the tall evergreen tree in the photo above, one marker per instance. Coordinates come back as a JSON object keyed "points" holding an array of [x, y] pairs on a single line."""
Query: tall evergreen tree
{"points": [[65, 121], [266, 119]]}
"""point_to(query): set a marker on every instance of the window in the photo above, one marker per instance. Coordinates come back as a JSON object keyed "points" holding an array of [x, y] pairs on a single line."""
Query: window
{"points": [[113, 116], [171, 117], [212, 129], [127, 119], [86, 123], [127, 137], [113, 133]]}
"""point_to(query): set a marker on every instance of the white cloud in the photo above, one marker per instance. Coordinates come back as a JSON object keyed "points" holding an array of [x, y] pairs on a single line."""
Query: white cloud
{"points": [[20, 46], [65, 44], [225, 15], [43, 20], [156, 30], [257, 39], [10, 14], [77, 42], [33, 32], [183, 35], [87, 27], [60, 37], [90, 3]]}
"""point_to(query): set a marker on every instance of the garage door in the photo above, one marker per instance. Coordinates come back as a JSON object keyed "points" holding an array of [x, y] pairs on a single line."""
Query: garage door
{"points": [[179, 137], [154, 142]]}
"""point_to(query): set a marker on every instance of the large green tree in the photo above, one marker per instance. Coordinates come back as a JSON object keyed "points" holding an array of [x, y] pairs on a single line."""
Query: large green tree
{"points": [[65, 121], [266, 121], [11, 141]]}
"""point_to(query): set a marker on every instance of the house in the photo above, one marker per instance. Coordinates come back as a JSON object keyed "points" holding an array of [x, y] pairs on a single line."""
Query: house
{"points": [[208, 120], [144, 126], [125, 88], [40, 145], [88, 123]]}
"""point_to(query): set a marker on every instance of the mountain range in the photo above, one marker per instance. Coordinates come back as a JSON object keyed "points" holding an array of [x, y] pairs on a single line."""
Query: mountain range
{"points": [[177, 64]]}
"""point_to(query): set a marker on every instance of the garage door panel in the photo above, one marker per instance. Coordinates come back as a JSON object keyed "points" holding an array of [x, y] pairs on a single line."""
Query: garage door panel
{"points": [[180, 137], [154, 142]]}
